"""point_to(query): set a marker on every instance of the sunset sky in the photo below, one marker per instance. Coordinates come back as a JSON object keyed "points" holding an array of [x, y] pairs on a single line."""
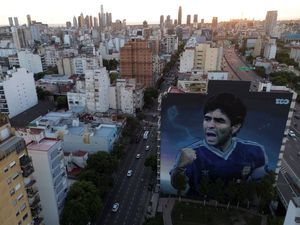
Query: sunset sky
{"points": [[136, 11]]}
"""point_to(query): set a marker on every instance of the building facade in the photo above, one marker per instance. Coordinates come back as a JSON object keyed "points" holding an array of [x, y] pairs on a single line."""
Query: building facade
{"points": [[17, 92], [136, 62]]}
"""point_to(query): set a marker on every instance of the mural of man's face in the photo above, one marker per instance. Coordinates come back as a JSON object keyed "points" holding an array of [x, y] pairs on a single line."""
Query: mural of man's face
{"points": [[218, 130]]}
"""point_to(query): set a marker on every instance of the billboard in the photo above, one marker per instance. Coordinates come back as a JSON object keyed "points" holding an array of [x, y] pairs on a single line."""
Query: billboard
{"points": [[228, 133]]}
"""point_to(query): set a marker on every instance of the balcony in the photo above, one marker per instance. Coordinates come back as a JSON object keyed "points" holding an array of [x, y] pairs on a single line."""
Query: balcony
{"points": [[31, 192], [35, 211], [34, 202], [38, 220], [26, 165]]}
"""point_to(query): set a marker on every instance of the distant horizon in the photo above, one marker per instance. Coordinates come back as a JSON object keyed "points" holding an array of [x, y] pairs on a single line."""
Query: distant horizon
{"points": [[136, 11], [155, 23]]}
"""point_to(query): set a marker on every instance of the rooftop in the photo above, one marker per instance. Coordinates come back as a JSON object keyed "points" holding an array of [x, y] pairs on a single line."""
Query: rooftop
{"points": [[43, 145]]}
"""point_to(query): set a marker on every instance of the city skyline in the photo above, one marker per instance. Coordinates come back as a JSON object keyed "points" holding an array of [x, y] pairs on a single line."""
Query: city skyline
{"points": [[136, 12]]}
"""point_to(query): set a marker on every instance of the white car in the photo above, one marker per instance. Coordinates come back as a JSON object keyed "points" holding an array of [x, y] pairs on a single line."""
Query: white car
{"points": [[147, 147], [129, 173], [292, 133], [138, 156], [115, 207]]}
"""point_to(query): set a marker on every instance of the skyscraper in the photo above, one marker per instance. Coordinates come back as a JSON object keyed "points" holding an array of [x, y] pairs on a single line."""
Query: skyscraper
{"points": [[161, 20], [195, 18], [270, 22], [10, 20], [28, 20], [179, 16], [75, 22], [16, 21], [188, 20], [214, 24]]}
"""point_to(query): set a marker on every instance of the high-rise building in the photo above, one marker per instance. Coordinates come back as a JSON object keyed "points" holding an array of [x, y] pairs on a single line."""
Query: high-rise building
{"points": [[207, 58], [50, 173], [179, 15], [97, 90], [95, 22], [161, 20], [195, 18], [16, 21], [214, 24], [136, 62], [28, 20], [188, 20], [257, 47], [19, 197], [17, 92], [270, 22], [10, 20], [75, 22]]}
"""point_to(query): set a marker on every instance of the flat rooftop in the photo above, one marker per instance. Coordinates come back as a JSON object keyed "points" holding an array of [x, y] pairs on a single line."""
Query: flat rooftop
{"points": [[105, 131], [44, 145]]}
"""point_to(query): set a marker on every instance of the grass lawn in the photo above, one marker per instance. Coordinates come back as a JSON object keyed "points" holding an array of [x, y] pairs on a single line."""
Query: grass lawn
{"points": [[196, 214]]}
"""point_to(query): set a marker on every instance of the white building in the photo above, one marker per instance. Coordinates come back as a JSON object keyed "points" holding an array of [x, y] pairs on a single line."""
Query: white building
{"points": [[50, 173], [17, 92], [32, 62], [293, 212], [270, 51], [208, 58], [97, 84], [295, 53], [187, 60], [129, 96], [81, 64], [169, 44], [217, 75]]}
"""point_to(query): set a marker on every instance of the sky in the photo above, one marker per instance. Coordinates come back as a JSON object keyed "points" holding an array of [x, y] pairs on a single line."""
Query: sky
{"points": [[136, 11]]}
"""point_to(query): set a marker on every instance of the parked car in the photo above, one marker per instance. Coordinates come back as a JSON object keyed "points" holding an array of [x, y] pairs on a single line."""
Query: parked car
{"points": [[138, 156], [292, 133]]}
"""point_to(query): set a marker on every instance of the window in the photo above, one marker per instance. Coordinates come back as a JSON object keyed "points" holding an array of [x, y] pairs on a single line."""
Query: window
{"points": [[25, 216], [17, 213], [12, 164], [18, 186], [20, 197], [15, 176], [23, 206], [12, 192]]}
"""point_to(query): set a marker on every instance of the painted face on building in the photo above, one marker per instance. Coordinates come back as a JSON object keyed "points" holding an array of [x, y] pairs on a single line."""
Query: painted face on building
{"points": [[218, 129]]}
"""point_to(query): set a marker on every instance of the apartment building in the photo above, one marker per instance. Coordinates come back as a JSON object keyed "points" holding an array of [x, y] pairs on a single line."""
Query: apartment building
{"points": [[136, 62], [17, 92], [19, 199]]}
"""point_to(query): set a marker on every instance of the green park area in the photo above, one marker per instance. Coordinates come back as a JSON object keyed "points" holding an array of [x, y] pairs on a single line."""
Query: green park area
{"points": [[185, 213]]}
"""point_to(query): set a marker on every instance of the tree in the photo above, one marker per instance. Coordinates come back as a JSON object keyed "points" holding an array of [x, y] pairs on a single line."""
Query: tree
{"points": [[113, 77], [62, 102], [118, 150], [151, 161], [102, 163], [38, 76], [131, 125], [149, 94], [261, 71], [84, 196], [41, 93], [74, 212]]}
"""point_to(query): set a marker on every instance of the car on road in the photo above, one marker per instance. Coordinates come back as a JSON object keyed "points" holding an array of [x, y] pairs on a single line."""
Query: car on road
{"points": [[292, 133], [115, 207], [129, 173], [138, 156], [147, 147]]}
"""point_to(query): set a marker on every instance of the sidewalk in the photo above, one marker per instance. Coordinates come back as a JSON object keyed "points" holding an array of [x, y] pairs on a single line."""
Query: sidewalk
{"points": [[166, 205]]}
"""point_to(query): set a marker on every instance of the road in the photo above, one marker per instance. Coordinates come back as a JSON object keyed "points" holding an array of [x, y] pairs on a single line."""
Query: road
{"points": [[132, 193]]}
